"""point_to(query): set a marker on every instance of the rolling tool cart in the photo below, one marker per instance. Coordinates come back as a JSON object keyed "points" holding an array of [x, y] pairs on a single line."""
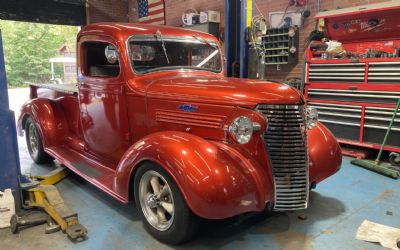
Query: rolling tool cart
{"points": [[356, 90]]}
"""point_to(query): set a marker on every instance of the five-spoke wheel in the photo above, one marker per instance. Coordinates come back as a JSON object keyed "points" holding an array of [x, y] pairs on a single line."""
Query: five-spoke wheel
{"points": [[161, 205], [35, 144], [156, 200]]}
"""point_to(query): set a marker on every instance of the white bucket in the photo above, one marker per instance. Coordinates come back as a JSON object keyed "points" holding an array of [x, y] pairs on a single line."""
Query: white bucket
{"points": [[7, 207]]}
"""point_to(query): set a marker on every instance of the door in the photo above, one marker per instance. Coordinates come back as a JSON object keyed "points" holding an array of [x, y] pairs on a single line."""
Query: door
{"points": [[102, 100]]}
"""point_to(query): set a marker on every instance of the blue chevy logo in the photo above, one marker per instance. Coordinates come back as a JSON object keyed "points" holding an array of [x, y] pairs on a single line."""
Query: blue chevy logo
{"points": [[187, 108]]}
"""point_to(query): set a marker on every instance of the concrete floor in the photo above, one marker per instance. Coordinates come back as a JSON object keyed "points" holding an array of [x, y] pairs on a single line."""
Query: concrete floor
{"points": [[337, 208]]}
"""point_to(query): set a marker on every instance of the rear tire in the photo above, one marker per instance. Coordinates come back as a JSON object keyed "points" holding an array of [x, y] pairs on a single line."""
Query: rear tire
{"points": [[35, 144], [163, 209]]}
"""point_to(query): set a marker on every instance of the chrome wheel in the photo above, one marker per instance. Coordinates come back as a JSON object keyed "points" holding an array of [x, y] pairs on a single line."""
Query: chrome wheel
{"points": [[33, 138], [156, 200]]}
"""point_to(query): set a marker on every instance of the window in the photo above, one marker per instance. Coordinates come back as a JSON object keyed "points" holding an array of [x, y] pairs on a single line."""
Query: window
{"points": [[68, 68], [171, 53], [101, 59]]}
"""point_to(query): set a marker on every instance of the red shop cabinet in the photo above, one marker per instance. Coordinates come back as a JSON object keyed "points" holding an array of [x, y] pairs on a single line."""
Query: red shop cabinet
{"points": [[356, 95]]}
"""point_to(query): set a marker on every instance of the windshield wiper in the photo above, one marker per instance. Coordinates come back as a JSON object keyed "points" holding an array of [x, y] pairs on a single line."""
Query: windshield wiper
{"points": [[158, 35], [205, 41]]}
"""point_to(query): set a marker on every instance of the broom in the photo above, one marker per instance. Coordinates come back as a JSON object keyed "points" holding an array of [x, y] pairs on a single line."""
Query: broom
{"points": [[376, 165]]}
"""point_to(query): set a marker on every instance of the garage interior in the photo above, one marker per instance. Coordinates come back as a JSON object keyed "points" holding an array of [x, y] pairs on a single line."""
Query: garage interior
{"points": [[354, 87]]}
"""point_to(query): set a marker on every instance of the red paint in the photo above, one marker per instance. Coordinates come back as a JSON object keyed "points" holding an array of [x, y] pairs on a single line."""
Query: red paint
{"points": [[114, 124], [352, 26]]}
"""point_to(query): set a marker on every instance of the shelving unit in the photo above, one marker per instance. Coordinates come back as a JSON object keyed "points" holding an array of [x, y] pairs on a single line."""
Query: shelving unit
{"points": [[277, 44]]}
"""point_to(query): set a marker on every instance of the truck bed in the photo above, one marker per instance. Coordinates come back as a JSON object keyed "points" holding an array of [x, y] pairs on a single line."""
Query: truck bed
{"points": [[63, 88]]}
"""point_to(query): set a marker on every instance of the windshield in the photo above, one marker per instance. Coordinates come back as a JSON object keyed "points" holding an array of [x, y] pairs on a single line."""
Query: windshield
{"points": [[163, 53]]}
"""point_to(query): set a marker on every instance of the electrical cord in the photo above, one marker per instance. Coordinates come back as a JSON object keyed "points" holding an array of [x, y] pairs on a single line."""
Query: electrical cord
{"points": [[284, 14]]}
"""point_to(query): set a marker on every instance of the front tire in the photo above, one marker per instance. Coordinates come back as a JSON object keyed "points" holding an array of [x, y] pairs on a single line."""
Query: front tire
{"points": [[162, 207], [35, 144]]}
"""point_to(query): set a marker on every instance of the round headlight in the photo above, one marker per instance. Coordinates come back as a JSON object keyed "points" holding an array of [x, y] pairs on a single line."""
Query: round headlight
{"points": [[241, 129], [311, 117]]}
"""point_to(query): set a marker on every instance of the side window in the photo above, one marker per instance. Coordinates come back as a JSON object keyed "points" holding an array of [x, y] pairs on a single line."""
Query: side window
{"points": [[101, 59]]}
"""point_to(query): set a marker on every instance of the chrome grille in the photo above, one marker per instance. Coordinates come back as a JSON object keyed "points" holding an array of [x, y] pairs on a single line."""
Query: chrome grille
{"points": [[286, 141]]}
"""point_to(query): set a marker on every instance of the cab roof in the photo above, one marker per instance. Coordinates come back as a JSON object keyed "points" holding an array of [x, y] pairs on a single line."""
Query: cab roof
{"points": [[125, 30]]}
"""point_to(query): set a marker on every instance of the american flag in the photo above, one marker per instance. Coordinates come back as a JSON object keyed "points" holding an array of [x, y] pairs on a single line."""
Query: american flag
{"points": [[151, 11]]}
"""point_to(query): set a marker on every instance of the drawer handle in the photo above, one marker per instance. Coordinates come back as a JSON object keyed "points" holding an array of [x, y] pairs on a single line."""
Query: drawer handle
{"points": [[352, 88]]}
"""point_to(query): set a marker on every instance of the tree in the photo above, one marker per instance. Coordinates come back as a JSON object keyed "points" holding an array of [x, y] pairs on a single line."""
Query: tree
{"points": [[29, 46]]}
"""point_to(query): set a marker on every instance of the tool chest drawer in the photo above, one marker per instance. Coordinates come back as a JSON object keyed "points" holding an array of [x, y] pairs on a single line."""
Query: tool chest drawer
{"points": [[362, 124]]}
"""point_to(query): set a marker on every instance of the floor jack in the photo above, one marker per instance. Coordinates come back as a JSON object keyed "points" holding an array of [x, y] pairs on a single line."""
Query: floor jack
{"points": [[44, 204]]}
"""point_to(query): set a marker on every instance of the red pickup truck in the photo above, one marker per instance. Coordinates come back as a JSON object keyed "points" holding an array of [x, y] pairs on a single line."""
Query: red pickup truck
{"points": [[153, 119]]}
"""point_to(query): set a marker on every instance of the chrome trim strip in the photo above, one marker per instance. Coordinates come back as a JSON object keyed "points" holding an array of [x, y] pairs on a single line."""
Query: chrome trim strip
{"points": [[380, 127], [337, 74], [380, 118], [355, 91], [340, 115], [383, 74], [335, 64], [333, 108], [336, 105], [337, 70], [340, 123], [384, 63], [355, 95], [336, 77]]}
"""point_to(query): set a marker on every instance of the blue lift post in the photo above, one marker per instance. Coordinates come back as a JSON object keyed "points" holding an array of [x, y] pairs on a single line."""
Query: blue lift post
{"points": [[229, 36], [245, 23], [238, 17], [9, 158]]}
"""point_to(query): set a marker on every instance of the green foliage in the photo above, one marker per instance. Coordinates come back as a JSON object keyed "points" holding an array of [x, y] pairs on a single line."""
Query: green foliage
{"points": [[29, 46]]}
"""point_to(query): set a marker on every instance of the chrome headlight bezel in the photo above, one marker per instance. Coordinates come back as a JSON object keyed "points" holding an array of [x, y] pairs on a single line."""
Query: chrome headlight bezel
{"points": [[241, 129], [311, 117]]}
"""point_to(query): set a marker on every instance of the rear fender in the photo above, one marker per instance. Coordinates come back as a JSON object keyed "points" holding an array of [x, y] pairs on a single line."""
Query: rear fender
{"points": [[49, 118], [216, 180]]}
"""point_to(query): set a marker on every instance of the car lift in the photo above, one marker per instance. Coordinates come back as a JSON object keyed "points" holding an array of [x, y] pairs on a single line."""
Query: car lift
{"points": [[40, 193], [238, 18], [9, 158]]}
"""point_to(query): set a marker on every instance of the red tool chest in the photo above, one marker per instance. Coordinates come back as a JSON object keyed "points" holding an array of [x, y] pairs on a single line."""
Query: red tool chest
{"points": [[356, 93]]}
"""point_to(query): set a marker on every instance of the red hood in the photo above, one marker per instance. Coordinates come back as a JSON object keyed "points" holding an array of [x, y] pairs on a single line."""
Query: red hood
{"points": [[221, 90]]}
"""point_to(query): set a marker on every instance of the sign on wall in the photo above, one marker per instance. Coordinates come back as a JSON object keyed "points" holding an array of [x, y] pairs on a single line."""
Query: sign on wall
{"points": [[285, 19]]}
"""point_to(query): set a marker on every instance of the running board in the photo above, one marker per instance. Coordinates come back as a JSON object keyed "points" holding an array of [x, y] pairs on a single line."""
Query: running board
{"points": [[92, 171]]}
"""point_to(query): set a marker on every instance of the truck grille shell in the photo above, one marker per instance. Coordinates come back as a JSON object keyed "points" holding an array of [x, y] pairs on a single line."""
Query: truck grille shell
{"points": [[286, 142]]}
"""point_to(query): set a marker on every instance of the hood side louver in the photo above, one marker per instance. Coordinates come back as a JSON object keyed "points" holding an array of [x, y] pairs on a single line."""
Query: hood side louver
{"points": [[191, 119]]}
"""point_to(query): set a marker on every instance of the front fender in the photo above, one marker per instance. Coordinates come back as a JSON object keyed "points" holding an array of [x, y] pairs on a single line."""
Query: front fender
{"points": [[49, 118], [216, 180], [325, 155]]}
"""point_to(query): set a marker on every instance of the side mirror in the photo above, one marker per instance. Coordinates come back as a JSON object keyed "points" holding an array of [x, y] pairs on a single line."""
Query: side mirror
{"points": [[111, 54]]}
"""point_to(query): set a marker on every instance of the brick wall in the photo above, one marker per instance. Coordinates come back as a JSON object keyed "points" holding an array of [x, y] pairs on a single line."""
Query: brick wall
{"points": [[126, 10], [267, 6], [175, 8], [107, 11]]}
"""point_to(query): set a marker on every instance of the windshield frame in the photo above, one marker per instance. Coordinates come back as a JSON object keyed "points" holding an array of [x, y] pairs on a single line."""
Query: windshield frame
{"points": [[169, 38]]}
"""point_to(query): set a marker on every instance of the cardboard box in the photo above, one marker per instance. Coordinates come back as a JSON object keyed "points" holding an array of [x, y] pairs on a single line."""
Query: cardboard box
{"points": [[210, 16]]}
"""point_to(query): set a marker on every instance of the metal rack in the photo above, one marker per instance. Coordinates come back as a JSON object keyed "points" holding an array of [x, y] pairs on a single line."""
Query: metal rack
{"points": [[277, 43]]}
